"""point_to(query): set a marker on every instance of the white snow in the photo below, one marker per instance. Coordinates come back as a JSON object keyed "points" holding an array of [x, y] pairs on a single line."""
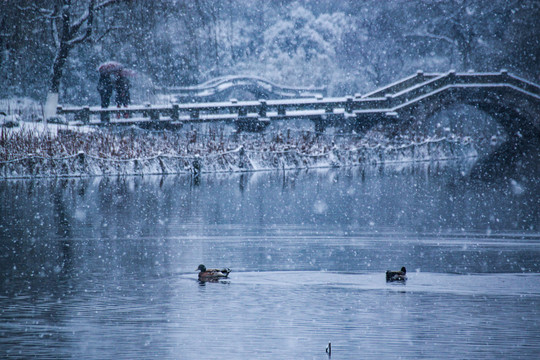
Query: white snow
{"points": [[41, 128], [251, 156]]}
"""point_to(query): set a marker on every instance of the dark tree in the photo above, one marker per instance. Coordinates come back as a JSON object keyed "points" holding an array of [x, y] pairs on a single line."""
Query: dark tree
{"points": [[68, 30]]}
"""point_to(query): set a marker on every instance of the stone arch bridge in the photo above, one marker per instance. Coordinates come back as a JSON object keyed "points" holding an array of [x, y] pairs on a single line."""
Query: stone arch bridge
{"points": [[512, 101], [227, 87]]}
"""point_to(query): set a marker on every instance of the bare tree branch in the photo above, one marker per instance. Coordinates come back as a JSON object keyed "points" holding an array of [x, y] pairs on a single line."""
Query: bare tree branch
{"points": [[75, 27], [107, 32], [88, 18], [71, 34], [54, 28], [108, 3], [66, 19]]}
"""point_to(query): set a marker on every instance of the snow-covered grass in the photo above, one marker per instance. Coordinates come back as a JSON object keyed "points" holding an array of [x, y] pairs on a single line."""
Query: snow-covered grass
{"points": [[38, 139], [132, 143], [25, 109], [60, 150], [34, 149]]}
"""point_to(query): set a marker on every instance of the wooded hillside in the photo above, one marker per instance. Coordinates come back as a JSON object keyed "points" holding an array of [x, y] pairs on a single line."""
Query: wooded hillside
{"points": [[350, 46]]}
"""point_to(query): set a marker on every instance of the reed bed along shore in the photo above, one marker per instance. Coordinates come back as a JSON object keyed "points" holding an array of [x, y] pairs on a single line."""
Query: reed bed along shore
{"points": [[44, 151], [132, 143]]}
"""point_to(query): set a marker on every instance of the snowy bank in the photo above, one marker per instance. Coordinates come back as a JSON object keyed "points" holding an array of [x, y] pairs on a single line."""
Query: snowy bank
{"points": [[245, 157]]}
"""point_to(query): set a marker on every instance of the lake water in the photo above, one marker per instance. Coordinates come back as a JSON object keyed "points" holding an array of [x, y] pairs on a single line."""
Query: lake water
{"points": [[104, 268]]}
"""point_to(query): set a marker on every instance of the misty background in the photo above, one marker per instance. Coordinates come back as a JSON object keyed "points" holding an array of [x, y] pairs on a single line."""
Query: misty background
{"points": [[349, 46]]}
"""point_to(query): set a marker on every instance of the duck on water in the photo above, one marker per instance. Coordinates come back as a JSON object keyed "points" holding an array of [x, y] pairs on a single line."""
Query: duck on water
{"points": [[212, 274], [396, 275], [216, 274]]}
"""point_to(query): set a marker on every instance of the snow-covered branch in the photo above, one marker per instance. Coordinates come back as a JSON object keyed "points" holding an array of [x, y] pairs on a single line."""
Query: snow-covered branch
{"points": [[107, 3], [66, 19], [72, 33], [88, 18], [55, 35]]}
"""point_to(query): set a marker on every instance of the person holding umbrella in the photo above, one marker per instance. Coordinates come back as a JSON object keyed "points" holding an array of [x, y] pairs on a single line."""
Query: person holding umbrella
{"points": [[108, 73], [105, 89], [122, 89]]}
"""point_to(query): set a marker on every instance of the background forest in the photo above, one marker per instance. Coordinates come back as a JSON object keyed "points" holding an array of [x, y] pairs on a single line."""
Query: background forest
{"points": [[347, 45]]}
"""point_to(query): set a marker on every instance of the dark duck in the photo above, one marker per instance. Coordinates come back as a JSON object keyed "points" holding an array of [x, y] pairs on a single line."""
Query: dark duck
{"points": [[396, 275], [212, 274]]}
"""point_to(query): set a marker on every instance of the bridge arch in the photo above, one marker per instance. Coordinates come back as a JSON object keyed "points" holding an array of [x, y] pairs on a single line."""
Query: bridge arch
{"points": [[515, 109], [227, 87], [516, 113], [513, 102]]}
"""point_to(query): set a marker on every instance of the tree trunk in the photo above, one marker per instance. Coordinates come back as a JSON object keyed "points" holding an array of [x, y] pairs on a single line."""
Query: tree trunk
{"points": [[50, 105], [54, 86], [58, 66]]}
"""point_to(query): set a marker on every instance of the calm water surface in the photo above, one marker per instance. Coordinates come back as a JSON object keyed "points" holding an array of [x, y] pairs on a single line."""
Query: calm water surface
{"points": [[103, 268]]}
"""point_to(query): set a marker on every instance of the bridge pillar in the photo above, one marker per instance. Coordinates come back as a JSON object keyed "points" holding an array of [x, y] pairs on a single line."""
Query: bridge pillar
{"points": [[175, 112], [263, 108], [349, 105], [105, 116], [321, 123], [83, 115], [362, 122], [389, 100], [242, 112], [194, 114], [251, 124], [152, 114]]}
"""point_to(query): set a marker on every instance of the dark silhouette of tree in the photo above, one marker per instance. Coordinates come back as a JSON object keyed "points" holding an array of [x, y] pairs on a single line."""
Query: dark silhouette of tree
{"points": [[52, 45], [68, 30]]}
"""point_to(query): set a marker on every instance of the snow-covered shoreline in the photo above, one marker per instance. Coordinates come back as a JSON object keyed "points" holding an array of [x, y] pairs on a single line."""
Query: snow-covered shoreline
{"points": [[238, 160]]}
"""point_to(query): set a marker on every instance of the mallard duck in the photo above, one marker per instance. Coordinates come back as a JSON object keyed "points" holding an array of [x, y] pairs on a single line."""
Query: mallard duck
{"points": [[212, 274], [396, 275]]}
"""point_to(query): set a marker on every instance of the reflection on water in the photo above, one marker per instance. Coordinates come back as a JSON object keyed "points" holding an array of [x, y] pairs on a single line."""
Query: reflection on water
{"points": [[104, 267]]}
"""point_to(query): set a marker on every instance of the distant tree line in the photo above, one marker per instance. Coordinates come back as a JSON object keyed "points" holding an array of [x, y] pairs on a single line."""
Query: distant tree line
{"points": [[350, 46]]}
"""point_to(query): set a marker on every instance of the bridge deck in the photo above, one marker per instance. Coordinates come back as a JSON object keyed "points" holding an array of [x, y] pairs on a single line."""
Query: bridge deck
{"points": [[389, 101]]}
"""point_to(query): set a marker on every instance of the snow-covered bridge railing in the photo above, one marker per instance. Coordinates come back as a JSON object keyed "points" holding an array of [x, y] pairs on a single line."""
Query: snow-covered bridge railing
{"points": [[512, 101], [223, 88]]}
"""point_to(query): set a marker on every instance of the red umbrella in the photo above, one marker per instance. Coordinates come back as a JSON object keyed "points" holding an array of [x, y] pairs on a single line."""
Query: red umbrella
{"points": [[110, 66], [127, 73]]}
